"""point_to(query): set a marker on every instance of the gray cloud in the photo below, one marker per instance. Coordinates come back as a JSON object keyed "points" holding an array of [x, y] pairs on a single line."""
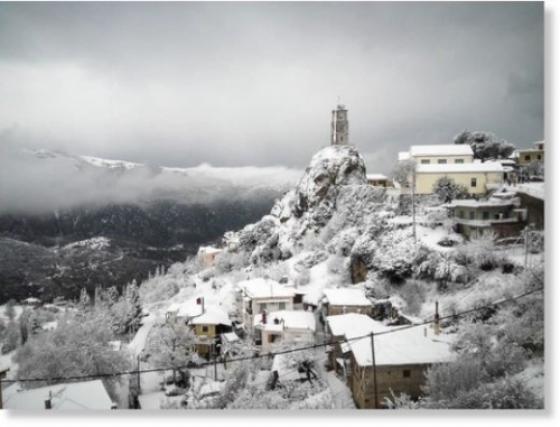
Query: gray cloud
{"points": [[253, 84]]}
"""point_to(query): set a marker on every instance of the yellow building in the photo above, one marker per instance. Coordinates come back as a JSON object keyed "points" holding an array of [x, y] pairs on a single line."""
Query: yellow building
{"points": [[530, 155], [477, 177]]}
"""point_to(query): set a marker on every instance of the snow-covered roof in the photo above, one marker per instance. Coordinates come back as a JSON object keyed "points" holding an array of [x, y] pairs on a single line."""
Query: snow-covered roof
{"points": [[345, 296], [230, 337], [376, 176], [460, 167], [533, 189], [287, 319], [265, 288], [441, 150], [212, 316], [471, 203], [404, 155], [407, 346], [354, 325], [89, 395]]}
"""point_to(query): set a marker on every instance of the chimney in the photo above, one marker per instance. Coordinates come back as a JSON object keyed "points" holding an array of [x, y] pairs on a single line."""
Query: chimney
{"points": [[436, 319], [200, 301], [48, 402]]}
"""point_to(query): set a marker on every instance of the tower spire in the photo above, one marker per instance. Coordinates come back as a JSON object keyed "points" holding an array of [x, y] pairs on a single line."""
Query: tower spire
{"points": [[339, 125]]}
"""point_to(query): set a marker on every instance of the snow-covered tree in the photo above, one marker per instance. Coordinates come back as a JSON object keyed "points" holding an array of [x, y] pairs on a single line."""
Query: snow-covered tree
{"points": [[404, 171], [78, 346], [171, 345], [11, 337], [485, 145]]}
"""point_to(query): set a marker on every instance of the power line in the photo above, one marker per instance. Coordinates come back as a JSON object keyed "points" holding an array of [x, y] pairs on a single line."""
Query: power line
{"points": [[271, 354]]}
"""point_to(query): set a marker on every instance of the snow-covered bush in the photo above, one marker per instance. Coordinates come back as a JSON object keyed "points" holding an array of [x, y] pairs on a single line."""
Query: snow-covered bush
{"points": [[507, 393], [10, 338], [447, 190], [413, 293], [158, 289], [479, 252], [396, 254]]}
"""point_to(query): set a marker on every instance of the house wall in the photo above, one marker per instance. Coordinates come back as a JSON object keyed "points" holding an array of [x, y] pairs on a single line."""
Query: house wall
{"points": [[343, 309], [425, 181], [389, 378], [268, 304], [287, 336], [449, 159], [529, 156], [535, 210]]}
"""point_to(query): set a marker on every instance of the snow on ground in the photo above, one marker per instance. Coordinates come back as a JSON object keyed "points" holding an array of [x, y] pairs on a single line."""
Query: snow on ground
{"points": [[430, 237], [341, 394], [489, 286], [139, 341], [95, 243], [7, 362], [109, 163]]}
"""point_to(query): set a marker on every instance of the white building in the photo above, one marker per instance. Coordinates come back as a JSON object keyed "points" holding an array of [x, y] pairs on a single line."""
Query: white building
{"points": [[439, 154], [284, 328], [263, 295]]}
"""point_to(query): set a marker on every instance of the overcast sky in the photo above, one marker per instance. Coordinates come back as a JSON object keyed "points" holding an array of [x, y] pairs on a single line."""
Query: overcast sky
{"points": [[253, 84]]}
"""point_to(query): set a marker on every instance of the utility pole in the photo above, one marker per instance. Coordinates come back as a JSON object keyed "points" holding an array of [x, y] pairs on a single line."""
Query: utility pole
{"points": [[376, 402], [215, 363], [527, 232], [413, 204]]}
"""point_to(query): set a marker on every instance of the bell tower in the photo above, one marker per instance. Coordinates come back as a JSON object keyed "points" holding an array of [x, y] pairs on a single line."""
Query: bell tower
{"points": [[339, 126]]}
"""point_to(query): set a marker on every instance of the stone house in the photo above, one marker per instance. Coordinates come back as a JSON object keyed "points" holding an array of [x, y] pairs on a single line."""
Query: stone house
{"points": [[338, 329], [345, 300], [401, 359]]}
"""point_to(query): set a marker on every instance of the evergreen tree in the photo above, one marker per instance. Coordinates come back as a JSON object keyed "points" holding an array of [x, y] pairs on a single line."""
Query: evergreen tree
{"points": [[10, 310]]}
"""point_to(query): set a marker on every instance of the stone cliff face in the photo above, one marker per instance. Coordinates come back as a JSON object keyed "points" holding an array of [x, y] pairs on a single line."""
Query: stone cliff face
{"points": [[331, 196]]}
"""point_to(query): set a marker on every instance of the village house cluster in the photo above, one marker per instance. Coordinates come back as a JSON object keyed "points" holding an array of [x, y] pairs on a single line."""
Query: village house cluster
{"points": [[503, 199]]}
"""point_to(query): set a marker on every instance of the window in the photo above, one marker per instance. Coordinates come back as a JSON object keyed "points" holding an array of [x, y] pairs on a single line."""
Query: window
{"points": [[485, 215], [539, 157], [442, 161], [471, 215], [406, 373], [459, 161], [527, 157], [461, 214], [204, 329], [473, 182], [425, 161], [262, 307], [282, 306]]}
